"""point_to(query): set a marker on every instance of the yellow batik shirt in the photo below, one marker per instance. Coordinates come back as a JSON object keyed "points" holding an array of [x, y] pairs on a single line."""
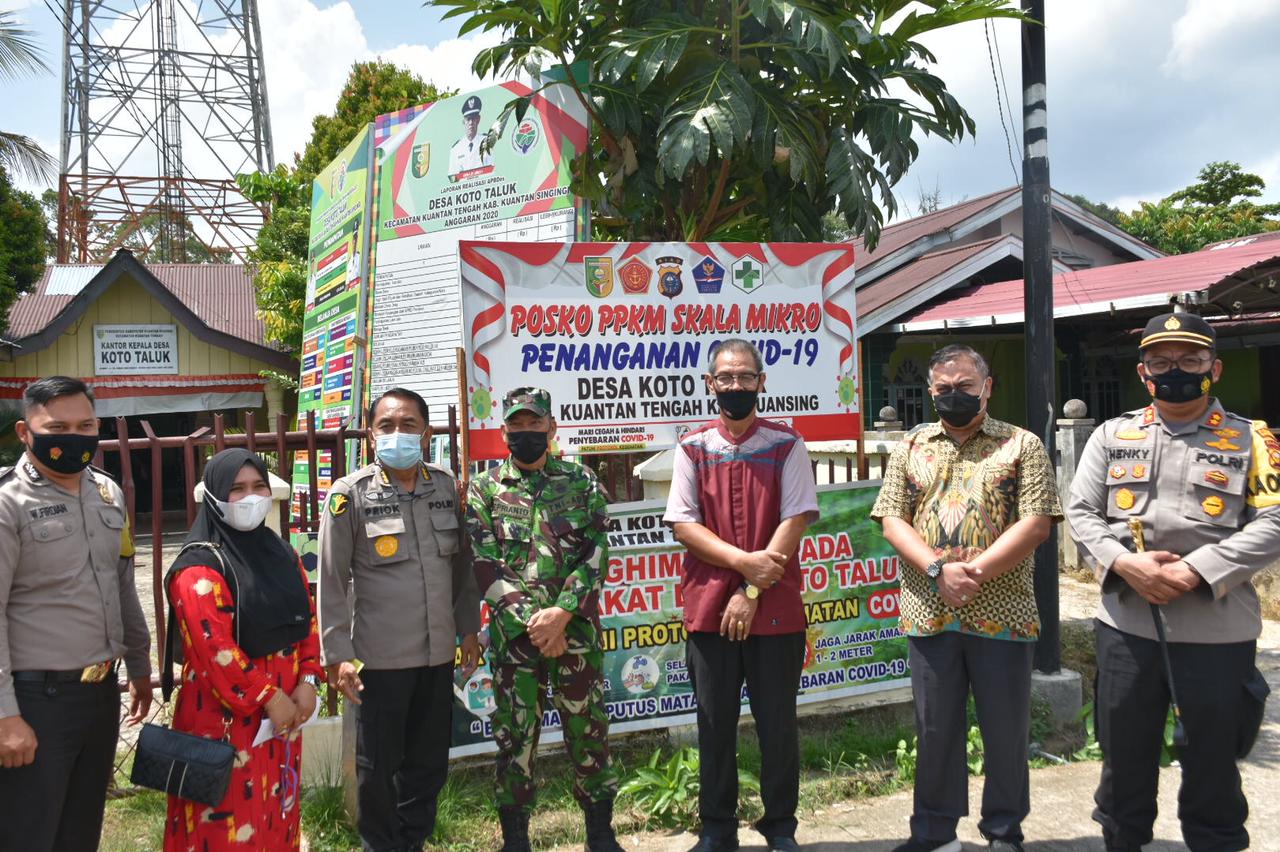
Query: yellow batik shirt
{"points": [[960, 499]]}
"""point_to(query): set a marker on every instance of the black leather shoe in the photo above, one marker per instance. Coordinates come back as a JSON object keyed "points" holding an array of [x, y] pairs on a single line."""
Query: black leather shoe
{"points": [[707, 843], [783, 844]]}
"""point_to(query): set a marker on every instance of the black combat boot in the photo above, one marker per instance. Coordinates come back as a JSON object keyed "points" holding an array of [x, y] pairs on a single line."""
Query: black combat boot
{"points": [[515, 830], [600, 836]]}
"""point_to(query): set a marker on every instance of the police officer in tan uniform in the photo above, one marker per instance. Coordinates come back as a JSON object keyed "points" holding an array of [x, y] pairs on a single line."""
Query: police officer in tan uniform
{"points": [[69, 612], [397, 596], [1205, 485]]}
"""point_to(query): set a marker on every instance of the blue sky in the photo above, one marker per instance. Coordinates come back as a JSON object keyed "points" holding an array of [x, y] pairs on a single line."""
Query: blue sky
{"points": [[1141, 93]]}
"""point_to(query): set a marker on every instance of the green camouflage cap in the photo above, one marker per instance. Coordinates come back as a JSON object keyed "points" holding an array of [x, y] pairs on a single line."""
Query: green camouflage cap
{"points": [[536, 400]]}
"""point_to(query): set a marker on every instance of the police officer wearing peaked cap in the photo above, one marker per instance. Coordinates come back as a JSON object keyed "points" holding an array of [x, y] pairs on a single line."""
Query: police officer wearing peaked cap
{"points": [[397, 595], [69, 612], [1205, 485]]}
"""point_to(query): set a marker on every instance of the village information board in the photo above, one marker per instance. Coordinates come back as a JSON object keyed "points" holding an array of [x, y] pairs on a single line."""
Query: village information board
{"points": [[852, 644], [133, 350], [620, 334], [439, 184]]}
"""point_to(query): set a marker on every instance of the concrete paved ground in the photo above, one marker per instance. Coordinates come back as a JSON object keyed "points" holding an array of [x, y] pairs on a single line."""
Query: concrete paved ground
{"points": [[1061, 796]]}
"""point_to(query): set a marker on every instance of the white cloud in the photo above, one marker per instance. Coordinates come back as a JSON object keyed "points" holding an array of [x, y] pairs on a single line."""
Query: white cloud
{"points": [[307, 55], [448, 64], [1212, 36]]}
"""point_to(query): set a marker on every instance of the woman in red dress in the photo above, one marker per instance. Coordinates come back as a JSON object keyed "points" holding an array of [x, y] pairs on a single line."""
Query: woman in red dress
{"points": [[239, 597]]}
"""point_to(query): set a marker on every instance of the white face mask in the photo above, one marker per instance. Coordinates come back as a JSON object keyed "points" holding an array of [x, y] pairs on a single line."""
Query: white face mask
{"points": [[245, 514]]}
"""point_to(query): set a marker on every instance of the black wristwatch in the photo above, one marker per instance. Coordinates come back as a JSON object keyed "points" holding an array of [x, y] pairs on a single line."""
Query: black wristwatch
{"points": [[934, 568]]}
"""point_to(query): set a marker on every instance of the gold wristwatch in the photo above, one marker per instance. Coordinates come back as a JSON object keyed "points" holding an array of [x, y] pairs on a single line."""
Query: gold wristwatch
{"points": [[753, 592]]}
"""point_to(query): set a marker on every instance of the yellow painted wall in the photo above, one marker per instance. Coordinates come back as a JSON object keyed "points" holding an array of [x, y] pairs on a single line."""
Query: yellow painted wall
{"points": [[126, 302]]}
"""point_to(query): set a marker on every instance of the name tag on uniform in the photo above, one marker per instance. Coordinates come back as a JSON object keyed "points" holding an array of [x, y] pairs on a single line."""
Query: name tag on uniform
{"points": [[42, 512], [381, 511]]}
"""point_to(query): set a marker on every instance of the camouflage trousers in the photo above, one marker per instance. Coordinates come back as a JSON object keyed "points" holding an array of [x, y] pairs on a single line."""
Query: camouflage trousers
{"points": [[519, 691]]}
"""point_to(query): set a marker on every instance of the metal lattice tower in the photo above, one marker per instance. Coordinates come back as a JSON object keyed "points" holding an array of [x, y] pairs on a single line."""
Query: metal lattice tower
{"points": [[164, 102]]}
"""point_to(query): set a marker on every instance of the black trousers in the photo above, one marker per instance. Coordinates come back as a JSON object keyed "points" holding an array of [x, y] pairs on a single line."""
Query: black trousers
{"points": [[55, 804], [944, 668], [771, 666], [403, 730], [1132, 705]]}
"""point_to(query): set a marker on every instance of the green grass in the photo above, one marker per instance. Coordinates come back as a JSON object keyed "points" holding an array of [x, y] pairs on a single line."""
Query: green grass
{"points": [[134, 823]]}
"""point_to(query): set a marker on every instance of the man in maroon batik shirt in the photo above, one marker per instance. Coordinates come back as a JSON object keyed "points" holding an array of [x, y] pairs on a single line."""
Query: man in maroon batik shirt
{"points": [[742, 494]]}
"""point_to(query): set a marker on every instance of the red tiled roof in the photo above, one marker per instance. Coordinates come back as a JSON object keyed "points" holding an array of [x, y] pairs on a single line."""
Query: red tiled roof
{"points": [[1088, 291], [221, 295], [899, 234], [904, 280]]}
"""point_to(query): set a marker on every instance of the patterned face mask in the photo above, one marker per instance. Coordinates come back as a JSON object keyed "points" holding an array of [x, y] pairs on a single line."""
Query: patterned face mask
{"points": [[65, 453]]}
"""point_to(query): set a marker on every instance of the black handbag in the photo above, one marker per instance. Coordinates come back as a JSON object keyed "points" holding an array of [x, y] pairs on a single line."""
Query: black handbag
{"points": [[183, 765], [175, 762]]}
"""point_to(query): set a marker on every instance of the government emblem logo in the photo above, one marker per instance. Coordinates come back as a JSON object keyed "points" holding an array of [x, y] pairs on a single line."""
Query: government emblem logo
{"points": [[635, 277], [338, 504], [1213, 505], [421, 159], [709, 276], [748, 274], [386, 546], [1139, 471], [670, 284], [1125, 499], [1221, 444], [526, 135], [599, 272], [1172, 324], [1118, 472]]}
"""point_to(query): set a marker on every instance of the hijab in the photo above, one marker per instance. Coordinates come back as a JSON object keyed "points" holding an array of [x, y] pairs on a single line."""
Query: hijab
{"points": [[272, 603]]}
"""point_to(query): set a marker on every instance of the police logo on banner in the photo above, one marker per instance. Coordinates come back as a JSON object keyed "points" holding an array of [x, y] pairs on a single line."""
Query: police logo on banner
{"points": [[635, 277], [708, 275], [599, 275], [670, 284], [421, 159]]}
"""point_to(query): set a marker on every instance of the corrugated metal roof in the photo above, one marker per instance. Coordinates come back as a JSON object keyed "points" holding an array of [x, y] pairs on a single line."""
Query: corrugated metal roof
{"points": [[900, 234], [902, 282], [220, 294], [1088, 291]]}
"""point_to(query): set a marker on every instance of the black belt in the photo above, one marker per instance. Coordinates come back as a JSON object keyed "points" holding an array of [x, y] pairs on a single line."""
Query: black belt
{"points": [[68, 676]]}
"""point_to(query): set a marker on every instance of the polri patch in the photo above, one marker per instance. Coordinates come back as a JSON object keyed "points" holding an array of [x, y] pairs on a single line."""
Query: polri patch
{"points": [[1125, 499], [1213, 505], [338, 504], [386, 546]]}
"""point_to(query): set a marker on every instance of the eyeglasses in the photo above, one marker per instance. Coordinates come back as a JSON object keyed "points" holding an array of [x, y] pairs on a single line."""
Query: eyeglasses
{"points": [[1188, 363], [725, 381]]}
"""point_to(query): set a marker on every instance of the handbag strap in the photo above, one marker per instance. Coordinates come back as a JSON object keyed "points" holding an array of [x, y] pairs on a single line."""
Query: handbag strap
{"points": [[171, 631]]}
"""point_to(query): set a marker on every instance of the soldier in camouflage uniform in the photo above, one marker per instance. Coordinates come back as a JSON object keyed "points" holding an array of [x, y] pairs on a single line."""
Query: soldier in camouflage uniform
{"points": [[537, 525]]}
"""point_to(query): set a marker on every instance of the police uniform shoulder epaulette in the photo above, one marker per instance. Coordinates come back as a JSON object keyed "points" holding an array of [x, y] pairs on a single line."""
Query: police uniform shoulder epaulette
{"points": [[359, 475], [435, 468], [5, 471]]}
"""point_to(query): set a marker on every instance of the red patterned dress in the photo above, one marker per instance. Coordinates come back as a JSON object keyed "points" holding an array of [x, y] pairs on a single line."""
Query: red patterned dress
{"points": [[223, 691]]}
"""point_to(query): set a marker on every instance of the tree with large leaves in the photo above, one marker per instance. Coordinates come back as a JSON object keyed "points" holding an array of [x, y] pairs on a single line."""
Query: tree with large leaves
{"points": [[22, 243], [738, 119], [280, 251], [20, 57], [1216, 207]]}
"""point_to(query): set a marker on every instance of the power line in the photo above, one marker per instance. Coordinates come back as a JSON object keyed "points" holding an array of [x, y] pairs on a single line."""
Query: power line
{"points": [[1008, 139]]}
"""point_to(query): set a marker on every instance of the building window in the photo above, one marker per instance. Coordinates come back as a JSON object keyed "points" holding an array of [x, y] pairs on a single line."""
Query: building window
{"points": [[1102, 388], [907, 392]]}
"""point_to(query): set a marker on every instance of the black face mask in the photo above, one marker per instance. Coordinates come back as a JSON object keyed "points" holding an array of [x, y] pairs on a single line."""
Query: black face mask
{"points": [[957, 408], [1178, 385], [64, 453], [737, 404], [527, 447]]}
